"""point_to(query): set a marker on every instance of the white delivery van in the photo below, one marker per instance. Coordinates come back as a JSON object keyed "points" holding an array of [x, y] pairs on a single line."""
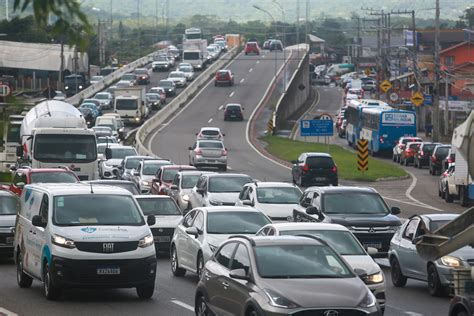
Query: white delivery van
{"points": [[83, 235]]}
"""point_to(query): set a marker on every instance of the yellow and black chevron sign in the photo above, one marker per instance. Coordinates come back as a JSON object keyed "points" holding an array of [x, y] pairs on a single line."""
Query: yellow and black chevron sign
{"points": [[270, 126], [362, 155]]}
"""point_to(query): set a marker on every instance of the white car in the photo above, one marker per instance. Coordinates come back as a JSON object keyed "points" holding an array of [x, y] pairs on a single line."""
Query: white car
{"points": [[276, 199], [109, 121], [95, 79], [178, 77], [202, 230], [401, 144], [124, 84], [167, 214], [106, 99], [210, 133], [188, 72], [182, 186], [345, 243], [108, 168], [83, 235], [146, 171]]}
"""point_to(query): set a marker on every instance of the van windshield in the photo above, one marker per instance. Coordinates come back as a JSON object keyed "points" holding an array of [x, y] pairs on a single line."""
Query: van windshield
{"points": [[97, 210], [65, 148]]}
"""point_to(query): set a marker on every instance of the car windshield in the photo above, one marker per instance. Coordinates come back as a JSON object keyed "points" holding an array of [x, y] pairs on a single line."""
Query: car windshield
{"points": [[141, 71], [120, 153], [105, 140], [96, 210], [354, 203], [185, 69], [278, 195], [133, 163], [227, 184], [320, 162], [442, 151], [208, 132], [152, 97], [189, 180], [102, 129], [235, 222], [233, 108], [428, 148], [168, 175], [102, 96], [176, 75], [65, 148], [129, 77], [129, 186], [167, 84], [415, 146], [52, 177], [300, 261], [159, 207], [9, 205], [151, 169], [126, 104], [217, 145], [342, 241], [435, 225]]}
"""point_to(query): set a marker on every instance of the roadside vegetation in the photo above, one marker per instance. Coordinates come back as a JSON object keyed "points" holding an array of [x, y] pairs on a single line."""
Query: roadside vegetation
{"points": [[346, 160]]}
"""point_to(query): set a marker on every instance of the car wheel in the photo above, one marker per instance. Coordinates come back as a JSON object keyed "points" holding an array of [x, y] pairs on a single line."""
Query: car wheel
{"points": [[430, 170], [201, 307], [406, 162], [199, 265], [434, 285], [252, 312], [440, 192], [463, 198], [398, 279], [146, 292], [448, 197], [23, 279], [394, 157], [50, 291], [175, 269]]}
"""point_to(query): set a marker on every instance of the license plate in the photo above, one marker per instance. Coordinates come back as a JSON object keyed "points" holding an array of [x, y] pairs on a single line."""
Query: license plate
{"points": [[376, 245], [162, 238], [320, 178], [9, 240], [108, 271]]}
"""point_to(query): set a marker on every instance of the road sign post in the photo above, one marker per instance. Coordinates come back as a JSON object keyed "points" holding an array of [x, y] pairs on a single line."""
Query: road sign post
{"points": [[362, 155], [316, 128]]}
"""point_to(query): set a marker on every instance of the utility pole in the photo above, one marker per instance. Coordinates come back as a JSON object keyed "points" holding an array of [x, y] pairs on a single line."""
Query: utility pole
{"points": [[435, 118], [358, 44], [99, 35], [61, 66], [306, 26], [139, 28], [6, 10], [446, 107]]}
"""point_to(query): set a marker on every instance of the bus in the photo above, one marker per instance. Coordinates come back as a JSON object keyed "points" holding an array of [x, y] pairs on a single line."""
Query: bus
{"points": [[354, 117], [382, 127]]}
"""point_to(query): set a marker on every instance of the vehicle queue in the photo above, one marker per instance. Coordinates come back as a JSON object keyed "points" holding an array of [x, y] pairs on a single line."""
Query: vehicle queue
{"points": [[259, 248]]}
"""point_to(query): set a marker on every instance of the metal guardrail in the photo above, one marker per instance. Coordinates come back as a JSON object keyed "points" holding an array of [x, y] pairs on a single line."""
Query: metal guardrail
{"points": [[152, 123]]}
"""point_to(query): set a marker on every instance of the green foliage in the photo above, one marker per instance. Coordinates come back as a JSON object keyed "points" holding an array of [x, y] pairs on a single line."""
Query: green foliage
{"points": [[70, 21], [23, 29]]}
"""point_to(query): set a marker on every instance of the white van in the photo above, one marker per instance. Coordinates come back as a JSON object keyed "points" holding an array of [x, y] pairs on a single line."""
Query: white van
{"points": [[83, 235]]}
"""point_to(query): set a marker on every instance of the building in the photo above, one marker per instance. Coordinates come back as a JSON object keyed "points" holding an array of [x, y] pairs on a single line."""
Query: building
{"points": [[458, 62]]}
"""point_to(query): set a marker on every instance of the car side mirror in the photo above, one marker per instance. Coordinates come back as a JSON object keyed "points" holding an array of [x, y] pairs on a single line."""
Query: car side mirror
{"points": [[174, 187], [395, 210], [20, 185], [294, 162], [239, 274], [372, 251], [192, 231], [38, 221], [155, 180], [248, 203], [108, 153], [361, 273], [19, 151], [190, 148], [223, 134], [196, 134], [312, 210], [151, 220]]}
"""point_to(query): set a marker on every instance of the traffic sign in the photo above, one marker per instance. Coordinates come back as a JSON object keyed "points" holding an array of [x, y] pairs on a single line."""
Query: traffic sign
{"points": [[362, 155], [417, 98], [316, 127], [393, 97], [324, 116], [385, 85], [5, 90]]}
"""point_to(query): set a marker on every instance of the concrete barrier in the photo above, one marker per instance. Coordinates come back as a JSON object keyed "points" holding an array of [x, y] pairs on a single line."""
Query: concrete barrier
{"points": [[152, 123]]}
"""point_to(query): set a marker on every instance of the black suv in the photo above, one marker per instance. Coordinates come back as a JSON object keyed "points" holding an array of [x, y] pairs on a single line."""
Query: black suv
{"points": [[314, 169], [439, 153], [362, 210], [233, 112]]}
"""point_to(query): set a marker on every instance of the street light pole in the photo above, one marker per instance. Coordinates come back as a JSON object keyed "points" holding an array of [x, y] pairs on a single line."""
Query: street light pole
{"points": [[435, 118], [284, 40]]}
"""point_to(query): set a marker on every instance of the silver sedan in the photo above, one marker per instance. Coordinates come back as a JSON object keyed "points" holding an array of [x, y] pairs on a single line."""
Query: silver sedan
{"points": [[208, 153]]}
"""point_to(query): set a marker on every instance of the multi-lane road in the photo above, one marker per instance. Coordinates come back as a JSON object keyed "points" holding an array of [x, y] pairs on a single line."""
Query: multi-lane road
{"points": [[175, 296]]}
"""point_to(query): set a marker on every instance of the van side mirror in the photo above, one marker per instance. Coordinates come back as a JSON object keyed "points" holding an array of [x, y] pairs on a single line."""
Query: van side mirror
{"points": [[372, 251], [135, 172], [108, 153], [151, 220], [38, 221], [174, 187]]}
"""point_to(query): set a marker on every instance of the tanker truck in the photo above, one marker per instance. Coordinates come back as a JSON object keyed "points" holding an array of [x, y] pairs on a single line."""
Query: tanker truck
{"points": [[54, 134]]}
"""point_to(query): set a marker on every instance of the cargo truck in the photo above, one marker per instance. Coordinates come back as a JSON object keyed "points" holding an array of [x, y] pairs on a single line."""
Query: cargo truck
{"points": [[54, 134], [195, 53], [131, 104]]}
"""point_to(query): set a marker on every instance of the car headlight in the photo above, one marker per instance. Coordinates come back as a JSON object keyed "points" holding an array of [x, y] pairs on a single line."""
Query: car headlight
{"points": [[369, 300], [80, 87], [186, 198], [145, 183], [63, 241], [146, 241], [212, 247], [215, 202], [137, 119], [374, 278], [66, 88], [451, 261], [106, 165], [277, 300]]}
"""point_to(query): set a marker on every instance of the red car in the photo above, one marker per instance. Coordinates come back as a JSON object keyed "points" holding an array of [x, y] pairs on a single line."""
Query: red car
{"points": [[24, 176], [252, 48], [409, 152], [164, 178], [224, 76]]}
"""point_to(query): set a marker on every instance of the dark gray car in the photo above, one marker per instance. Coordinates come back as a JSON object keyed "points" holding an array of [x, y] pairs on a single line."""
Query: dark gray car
{"points": [[281, 276]]}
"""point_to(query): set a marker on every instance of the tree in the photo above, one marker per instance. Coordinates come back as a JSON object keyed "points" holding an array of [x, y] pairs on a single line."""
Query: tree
{"points": [[70, 21], [467, 19]]}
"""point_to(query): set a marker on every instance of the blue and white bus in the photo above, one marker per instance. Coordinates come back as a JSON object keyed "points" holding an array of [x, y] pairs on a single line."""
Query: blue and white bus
{"points": [[383, 127], [354, 117]]}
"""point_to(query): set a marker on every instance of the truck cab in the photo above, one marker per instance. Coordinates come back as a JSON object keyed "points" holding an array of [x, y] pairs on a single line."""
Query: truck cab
{"points": [[131, 104]]}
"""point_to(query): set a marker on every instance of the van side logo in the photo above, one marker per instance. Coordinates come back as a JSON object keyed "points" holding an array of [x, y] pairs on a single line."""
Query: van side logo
{"points": [[89, 230]]}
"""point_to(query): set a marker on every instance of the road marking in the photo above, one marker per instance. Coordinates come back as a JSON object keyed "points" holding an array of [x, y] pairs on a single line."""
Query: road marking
{"points": [[414, 204], [210, 120], [6, 312], [231, 94], [242, 80], [258, 61], [410, 189], [251, 69], [183, 304], [221, 107]]}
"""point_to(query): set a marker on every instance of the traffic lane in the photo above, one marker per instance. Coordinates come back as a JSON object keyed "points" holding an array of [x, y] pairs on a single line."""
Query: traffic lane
{"points": [[206, 109], [170, 294]]}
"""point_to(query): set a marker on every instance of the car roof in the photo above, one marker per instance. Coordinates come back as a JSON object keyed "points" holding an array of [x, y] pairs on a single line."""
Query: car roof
{"points": [[209, 141], [208, 128], [272, 184], [228, 175], [307, 226], [285, 240], [216, 209], [7, 193], [79, 188], [139, 157], [233, 104], [152, 196], [440, 217], [38, 170], [315, 154], [342, 189], [155, 160], [123, 146], [193, 172], [188, 167]]}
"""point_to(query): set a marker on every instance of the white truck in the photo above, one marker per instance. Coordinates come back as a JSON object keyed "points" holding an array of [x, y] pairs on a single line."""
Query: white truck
{"points": [[11, 140], [195, 53], [54, 134], [460, 181], [131, 104]]}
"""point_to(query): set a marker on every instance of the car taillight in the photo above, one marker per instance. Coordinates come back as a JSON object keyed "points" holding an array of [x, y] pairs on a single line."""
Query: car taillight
{"points": [[422, 153], [305, 168], [450, 160], [433, 158], [224, 152], [226, 111], [334, 169], [198, 152]]}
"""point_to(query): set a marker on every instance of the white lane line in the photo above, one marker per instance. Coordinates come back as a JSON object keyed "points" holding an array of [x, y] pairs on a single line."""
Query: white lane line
{"points": [[210, 120], [242, 80], [221, 107], [251, 69], [231, 94], [183, 304], [403, 312], [6, 312], [410, 189], [258, 61], [414, 204]]}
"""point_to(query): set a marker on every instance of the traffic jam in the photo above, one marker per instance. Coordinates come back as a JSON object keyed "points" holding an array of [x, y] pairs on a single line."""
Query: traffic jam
{"points": [[86, 209]]}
